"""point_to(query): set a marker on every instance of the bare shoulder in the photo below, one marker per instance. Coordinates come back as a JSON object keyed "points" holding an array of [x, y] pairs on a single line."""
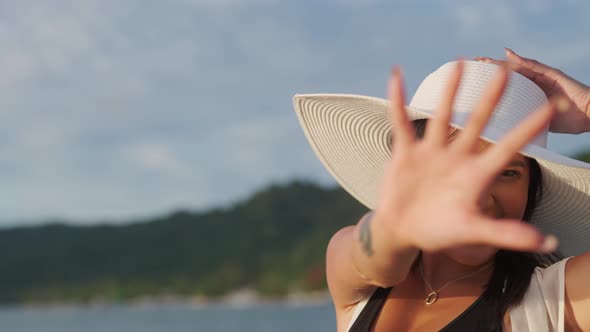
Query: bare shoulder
{"points": [[347, 286], [577, 274]]}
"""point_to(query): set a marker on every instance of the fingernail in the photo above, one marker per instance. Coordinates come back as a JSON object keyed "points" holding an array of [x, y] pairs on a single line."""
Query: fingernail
{"points": [[562, 104], [549, 244]]}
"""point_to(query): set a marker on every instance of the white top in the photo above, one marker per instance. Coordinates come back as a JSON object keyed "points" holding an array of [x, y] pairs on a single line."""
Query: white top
{"points": [[542, 308]]}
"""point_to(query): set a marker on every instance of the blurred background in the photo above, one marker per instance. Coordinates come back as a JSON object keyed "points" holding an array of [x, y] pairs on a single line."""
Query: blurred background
{"points": [[153, 174]]}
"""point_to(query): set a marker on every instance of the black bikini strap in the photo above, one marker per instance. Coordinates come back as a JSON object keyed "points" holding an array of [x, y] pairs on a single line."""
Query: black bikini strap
{"points": [[369, 313]]}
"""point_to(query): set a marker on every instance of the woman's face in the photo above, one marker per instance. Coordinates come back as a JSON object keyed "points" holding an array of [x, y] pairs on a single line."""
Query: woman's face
{"points": [[505, 198]]}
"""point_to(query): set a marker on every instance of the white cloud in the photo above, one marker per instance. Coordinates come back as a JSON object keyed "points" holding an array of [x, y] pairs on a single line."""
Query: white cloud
{"points": [[155, 156], [485, 20], [470, 17]]}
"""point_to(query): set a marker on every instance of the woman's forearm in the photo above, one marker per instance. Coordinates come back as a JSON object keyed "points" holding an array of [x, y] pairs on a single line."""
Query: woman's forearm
{"points": [[379, 255]]}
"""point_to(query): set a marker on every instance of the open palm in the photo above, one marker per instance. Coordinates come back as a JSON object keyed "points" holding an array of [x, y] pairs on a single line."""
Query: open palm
{"points": [[431, 187]]}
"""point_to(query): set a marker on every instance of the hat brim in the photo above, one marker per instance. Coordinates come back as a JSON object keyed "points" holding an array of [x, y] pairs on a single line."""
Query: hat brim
{"points": [[350, 135]]}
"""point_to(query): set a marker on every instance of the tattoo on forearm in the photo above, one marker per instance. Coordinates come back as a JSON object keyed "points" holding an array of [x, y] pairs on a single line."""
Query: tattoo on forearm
{"points": [[365, 236]]}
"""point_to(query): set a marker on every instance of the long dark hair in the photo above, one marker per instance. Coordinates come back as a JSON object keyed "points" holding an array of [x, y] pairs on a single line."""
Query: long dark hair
{"points": [[512, 269]]}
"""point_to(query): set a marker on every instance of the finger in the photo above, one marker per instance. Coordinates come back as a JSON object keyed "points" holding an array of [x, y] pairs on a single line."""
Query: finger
{"points": [[515, 66], [403, 133], [545, 82], [496, 157], [531, 71], [531, 64], [478, 119], [484, 59], [437, 130], [511, 235], [494, 61], [536, 77]]}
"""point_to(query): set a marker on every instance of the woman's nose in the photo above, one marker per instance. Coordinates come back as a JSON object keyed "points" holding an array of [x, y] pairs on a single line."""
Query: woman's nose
{"points": [[486, 204]]}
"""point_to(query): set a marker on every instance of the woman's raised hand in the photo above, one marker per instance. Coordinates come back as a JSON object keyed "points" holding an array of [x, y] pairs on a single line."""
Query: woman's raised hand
{"points": [[554, 82], [431, 188]]}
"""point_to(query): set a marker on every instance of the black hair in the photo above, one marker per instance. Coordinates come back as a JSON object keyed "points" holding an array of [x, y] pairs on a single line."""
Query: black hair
{"points": [[512, 269]]}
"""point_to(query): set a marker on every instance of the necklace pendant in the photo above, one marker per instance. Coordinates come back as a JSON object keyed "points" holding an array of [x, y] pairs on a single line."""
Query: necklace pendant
{"points": [[431, 298]]}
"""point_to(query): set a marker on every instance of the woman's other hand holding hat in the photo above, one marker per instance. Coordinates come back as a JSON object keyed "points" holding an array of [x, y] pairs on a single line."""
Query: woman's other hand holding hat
{"points": [[575, 119]]}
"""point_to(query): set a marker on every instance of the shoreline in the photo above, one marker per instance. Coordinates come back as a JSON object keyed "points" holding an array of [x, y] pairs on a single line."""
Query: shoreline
{"points": [[240, 299]]}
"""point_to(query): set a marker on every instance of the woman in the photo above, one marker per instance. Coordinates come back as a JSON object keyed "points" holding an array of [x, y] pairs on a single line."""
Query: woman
{"points": [[455, 239]]}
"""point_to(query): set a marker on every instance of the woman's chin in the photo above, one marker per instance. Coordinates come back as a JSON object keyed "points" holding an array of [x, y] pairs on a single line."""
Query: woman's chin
{"points": [[472, 255]]}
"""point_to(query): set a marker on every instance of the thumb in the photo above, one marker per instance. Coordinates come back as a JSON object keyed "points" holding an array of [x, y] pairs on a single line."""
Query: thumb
{"points": [[511, 55]]}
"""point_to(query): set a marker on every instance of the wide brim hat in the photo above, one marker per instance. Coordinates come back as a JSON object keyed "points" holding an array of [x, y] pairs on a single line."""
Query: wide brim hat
{"points": [[351, 136]]}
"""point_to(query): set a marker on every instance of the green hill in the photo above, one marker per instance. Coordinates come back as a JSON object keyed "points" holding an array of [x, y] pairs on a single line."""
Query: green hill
{"points": [[273, 242]]}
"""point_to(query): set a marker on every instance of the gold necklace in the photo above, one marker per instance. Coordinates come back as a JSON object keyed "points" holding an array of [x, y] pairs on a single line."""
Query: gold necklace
{"points": [[433, 295]]}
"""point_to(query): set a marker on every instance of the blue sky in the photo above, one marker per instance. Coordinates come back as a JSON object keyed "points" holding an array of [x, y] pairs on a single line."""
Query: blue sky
{"points": [[118, 110]]}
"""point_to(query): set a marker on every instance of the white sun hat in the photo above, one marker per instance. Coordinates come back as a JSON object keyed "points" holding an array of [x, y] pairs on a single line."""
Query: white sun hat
{"points": [[350, 134]]}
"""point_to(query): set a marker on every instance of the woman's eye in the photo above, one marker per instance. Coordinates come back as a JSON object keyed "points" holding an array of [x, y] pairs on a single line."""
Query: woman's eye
{"points": [[510, 173]]}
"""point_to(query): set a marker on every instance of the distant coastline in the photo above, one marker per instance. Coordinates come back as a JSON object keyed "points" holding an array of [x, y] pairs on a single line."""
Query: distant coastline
{"points": [[240, 299]]}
